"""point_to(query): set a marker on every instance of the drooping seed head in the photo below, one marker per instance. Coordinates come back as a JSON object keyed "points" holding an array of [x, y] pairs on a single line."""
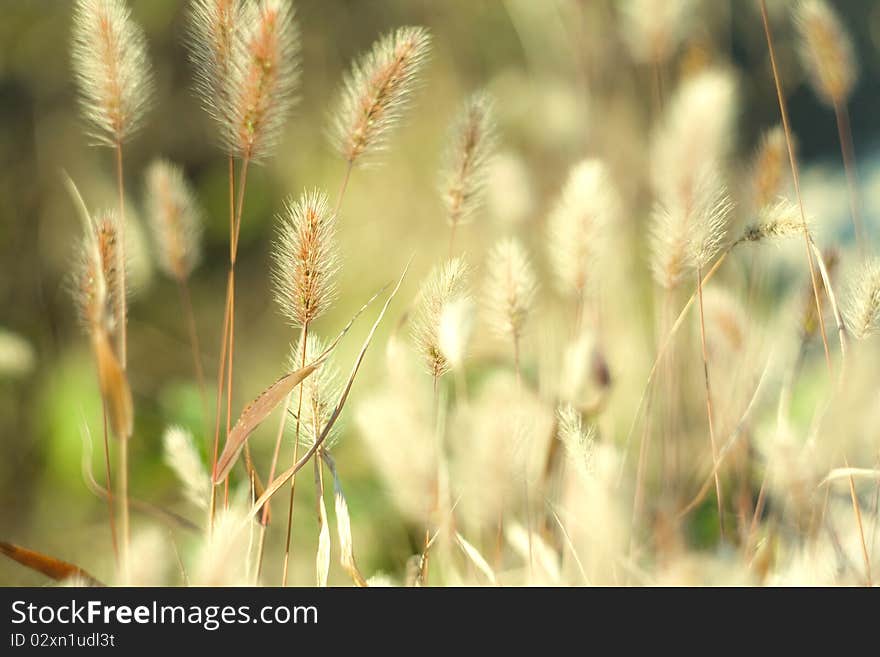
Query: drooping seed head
{"points": [[321, 391], [770, 167], [212, 34], [175, 219], [778, 220], [472, 143], [445, 283], [304, 258], [264, 77], [863, 302], [112, 69], [511, 286], [826, 50], [578, 225], [377, 91]]}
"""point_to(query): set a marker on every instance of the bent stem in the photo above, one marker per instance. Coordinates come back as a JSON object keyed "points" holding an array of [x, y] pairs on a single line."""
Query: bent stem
{"points": [[709, 412]]}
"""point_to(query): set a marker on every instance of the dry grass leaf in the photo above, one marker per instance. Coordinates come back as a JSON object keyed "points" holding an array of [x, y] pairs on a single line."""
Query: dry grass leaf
{"points": [[48, 566]]}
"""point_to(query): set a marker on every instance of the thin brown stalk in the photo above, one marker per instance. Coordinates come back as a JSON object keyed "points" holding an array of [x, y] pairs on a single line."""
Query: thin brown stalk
{"points": [[123, 450], [190, 320], [220, 380], [844, 133], [709, 410], [109, 485], [233, 254], [123, 348], [796, 178], [858, 513], [305, 336], [348, 167], [123, 492]]}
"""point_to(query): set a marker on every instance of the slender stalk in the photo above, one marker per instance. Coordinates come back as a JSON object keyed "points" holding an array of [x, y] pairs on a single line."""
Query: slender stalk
{"points": [[123, 358], [190, 320], [233, 254], [319, 487], [123, 329], [304, 341], [709, 412], [123, 492], [109, 485], [795, 177], [844, 133], [858, 513], [225, 339], [343, 187], [220, 379]]}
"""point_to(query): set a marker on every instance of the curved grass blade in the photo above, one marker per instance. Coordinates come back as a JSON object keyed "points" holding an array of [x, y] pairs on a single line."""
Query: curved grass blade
{"points": [[257, 411], [282, 479], [48, 566]]}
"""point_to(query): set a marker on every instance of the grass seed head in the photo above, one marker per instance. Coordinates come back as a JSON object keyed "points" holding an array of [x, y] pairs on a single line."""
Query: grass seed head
{"points": [[377, 91], [578, 226], [211, 40], [511, 286], [465, 169], [175, 219], [111, 68], [264, 77], [304, 258], [826, 51], [445, 283], [863, 302]]}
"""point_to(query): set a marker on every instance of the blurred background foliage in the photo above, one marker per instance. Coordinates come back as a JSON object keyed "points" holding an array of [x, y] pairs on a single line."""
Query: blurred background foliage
{"points": [[565, 87]]}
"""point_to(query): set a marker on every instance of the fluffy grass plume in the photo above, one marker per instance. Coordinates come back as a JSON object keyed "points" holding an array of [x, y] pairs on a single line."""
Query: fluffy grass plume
{"points": [[863, 302], [109, 241], [304, 258], [511, 285], [321, 391], [577, 439], [98, 308], [687, 232], [263, 79], [211, 39], [472, 142], [826, 51], [377, 91], [694, 135], [456, 327], [182, 456], [175, 219], [653, 29], [777, 220], [444, 284], [578, 224], [769, 167], [112, 69]]}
